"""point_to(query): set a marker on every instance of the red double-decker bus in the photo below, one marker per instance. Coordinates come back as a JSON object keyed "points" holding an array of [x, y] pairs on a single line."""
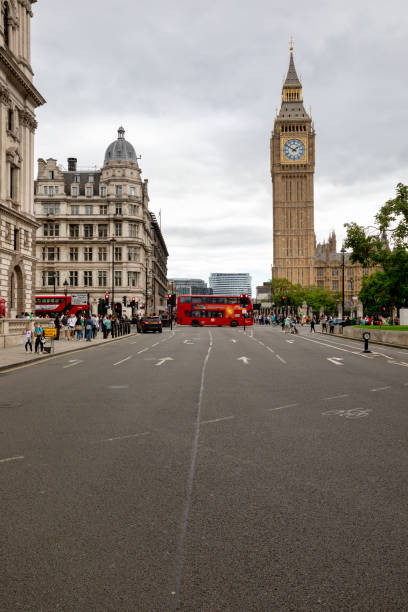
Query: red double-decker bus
{"points": [[52, 305], [215, 310]]}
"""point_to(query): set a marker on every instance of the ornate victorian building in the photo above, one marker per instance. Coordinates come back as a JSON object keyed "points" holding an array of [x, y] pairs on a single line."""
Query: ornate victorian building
{"points": [[296, 255], [18, 100], [97, 233]]}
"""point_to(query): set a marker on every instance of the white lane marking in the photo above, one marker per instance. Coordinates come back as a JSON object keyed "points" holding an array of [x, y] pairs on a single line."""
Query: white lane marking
{"points": [[261, 343], [188, 342], [282, 407], [7, 459], [280, 358], [232, 340], [335, 360], [216, 420], [401, 363], [137, 342], [380, 389], [352, 413], [269, 349], [332, 397], [122, 360], [243, 359], [163, 360], [74, 362], [155, 344], [142, 351], [145, 433], [190, 481], [290, 341], [117, 386]]}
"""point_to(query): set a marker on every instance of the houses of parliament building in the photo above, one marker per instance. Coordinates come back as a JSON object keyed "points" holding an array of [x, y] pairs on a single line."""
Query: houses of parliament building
{"points": [[296, 256]]}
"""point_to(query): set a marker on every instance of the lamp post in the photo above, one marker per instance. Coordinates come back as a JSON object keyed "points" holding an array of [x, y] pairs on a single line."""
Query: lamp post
{"points": [[146, 292], [113, 240], [65, 283], [343, 250]]}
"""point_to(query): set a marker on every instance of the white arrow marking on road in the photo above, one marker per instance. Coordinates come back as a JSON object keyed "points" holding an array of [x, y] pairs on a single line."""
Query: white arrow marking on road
{"points": [[232, 340], [335, 360], [290, 341], [244, 359], [188, 342], [7, 459], [163, 360], [122, 360]]}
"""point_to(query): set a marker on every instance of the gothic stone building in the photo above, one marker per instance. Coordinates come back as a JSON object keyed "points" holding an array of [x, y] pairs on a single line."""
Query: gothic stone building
{"points": [[97, 233], [18, 100], [296, 255]]}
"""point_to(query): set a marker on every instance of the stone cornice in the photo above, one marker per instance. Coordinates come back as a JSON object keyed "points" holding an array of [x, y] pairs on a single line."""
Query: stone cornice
{"points": [[5, 94], [6, 210], [27, 119], [25, 84]]}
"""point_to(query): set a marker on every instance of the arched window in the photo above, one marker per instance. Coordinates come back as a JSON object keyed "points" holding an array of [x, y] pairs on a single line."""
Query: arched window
{"points": [[6, 19]]}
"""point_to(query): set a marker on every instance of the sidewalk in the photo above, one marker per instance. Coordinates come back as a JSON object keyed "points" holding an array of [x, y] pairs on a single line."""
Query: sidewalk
{"points": [[17, 355]]}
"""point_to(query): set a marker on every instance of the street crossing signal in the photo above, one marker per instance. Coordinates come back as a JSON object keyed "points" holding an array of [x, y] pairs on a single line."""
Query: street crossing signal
{"points": [[283, 300], [171, 299], [124, 300], [106, 299]]}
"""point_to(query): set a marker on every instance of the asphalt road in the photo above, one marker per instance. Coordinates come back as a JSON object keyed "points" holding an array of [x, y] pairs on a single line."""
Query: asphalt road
{"points": [[203, 470]]}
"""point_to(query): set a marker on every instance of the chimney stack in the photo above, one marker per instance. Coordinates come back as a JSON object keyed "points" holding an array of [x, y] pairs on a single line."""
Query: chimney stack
{"points": [[72, 164]]}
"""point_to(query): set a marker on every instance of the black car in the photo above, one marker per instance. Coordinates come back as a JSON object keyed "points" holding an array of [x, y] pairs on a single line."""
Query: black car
{"points": [[165, 321], [152, 324]]}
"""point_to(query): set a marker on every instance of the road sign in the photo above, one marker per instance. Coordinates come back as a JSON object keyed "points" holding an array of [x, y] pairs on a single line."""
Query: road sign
{"points": [[50, 332], [244, 311], [79, 299]]}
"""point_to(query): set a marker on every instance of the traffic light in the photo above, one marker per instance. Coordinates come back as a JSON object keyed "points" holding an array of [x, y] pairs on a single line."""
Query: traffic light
{"points": [[171, 299], [283, 300], [124, 300], [134, 304], [106, 299], [244, 300]]}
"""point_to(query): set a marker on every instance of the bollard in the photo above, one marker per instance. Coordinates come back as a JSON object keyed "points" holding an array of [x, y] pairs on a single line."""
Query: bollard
{"points": [[366, 337]]}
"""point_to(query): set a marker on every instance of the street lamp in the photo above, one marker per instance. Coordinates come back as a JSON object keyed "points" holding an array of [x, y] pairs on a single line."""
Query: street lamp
{"points": [[113, 240], [65, 283], [343, 250]]}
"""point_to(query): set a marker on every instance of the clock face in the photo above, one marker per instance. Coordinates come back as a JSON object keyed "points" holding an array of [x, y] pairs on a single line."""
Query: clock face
{"points": [[294, 149]]}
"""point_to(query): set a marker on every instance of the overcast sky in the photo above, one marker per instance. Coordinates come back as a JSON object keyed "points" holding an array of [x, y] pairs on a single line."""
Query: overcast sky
{"points": [[196, 84]]}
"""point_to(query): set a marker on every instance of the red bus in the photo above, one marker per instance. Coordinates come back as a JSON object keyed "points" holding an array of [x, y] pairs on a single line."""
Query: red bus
{"points": [[52, 305], [215, 310]]}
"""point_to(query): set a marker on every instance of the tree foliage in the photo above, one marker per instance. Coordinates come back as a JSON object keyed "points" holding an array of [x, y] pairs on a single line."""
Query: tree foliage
{"points": [[315, 297]]}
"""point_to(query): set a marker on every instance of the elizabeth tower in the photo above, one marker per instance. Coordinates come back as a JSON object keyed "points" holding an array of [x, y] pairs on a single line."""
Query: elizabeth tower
{"points": [[292, 169]]}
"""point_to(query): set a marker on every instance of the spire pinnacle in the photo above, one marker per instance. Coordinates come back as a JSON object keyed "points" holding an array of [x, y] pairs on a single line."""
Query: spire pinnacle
{"points": [[291, 43]]}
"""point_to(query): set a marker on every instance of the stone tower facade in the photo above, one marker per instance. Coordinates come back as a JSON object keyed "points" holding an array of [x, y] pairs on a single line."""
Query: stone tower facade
{"points": [[292, 170]]}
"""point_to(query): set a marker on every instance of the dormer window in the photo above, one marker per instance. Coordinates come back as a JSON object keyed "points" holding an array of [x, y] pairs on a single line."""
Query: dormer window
{"points": [[77, 178], [91, 178], [51, 174]]}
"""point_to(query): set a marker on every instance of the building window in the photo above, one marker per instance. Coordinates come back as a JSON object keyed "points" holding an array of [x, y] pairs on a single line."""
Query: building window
{"points": [[91, 178], [320, 283], [89, 209], [88, 230], [73, 278], [133, 280], [73, 230], [77, 178], [118, 253], [51, 254], [102, 231], [74, 191], [45, 190], [118, 229], [335, 272], [118, 190], [335, 285], [133, 254], [88, 191], [118, 209], [10, 119], [132, 191], [75, 210], [102, 254], [103, 209], [50, 278], [102, 278], [51, 209], [319, 272], [51, 174], [51, 229], [12, 185], [350, 272], [132, 209], [16, 239], [73, 254], [51, 191], [103, 192], [88, 278], [133, 230], [26, 239], [118, 278], [8, 232], [88, 254], [365, 272], [350, 284]]}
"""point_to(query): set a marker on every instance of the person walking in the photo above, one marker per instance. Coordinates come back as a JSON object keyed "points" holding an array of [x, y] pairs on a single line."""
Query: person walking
{"points": [[38, 333], [88, 328], [331, 325], [324, 325], [107, 322], [78, 328], [57, 325], [71, 325], [312, 325], [28, 339]]}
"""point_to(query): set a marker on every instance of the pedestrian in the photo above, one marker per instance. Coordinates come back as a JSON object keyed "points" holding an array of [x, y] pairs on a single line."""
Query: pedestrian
{"points": [[324, 325], [57, 325], [312, 325], [39, 334], [331, 325], [28, 339], [107, 323], [78, 328], [88, 328], [95, 325]]}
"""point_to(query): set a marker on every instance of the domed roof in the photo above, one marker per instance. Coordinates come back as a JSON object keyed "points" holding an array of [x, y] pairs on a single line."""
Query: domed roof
{"points": [[120, 149]]}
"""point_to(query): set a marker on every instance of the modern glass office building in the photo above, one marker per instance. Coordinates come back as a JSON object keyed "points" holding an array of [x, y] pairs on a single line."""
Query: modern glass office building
{"points": [[189, 286], [230, 284]]}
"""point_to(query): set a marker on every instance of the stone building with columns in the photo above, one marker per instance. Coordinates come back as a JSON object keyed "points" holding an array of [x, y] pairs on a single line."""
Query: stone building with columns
{"points": [[296, 255], [97, 234], [18, 101]]}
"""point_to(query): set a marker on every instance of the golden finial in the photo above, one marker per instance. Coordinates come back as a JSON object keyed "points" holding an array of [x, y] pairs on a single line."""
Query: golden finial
{"points": [[291, 43]]}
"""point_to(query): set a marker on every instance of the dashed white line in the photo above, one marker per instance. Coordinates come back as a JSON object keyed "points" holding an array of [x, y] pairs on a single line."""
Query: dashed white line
{"points": [[155, 344], [118, 386], [269, 349], [7, 459], [142, 351], [337, 396], [122, 360], [380, 389], [282, 407], [216, 420], [145, 433], [280, 358]]}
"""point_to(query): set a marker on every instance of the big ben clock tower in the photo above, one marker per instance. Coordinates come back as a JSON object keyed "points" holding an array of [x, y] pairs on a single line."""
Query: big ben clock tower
{"points": [[292, 169]]}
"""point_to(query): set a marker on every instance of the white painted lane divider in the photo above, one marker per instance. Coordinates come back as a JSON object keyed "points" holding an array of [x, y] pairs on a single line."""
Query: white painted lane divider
{"points": [[282, 407], [290, 341], [243, 359], [118, 386], [216, 420], [380, 389], [188, 342], [122, 360], [280, 358], [335, 360], [72, 363], [145, 433], [233, 340], [7, 459], [163, 360], [336, 396], [142, 351]]}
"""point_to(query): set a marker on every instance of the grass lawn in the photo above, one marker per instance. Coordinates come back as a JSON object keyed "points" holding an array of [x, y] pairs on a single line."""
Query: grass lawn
{"points": [[384, 327]]}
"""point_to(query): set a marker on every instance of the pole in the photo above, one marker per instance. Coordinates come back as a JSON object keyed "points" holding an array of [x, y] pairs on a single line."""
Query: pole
{"points": [[343, 250], [113, 275], [171, 316], [146, 291]]}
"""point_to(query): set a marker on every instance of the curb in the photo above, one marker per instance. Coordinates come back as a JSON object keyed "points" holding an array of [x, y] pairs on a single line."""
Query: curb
{"points": [[69, 352], [370, 341]]}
